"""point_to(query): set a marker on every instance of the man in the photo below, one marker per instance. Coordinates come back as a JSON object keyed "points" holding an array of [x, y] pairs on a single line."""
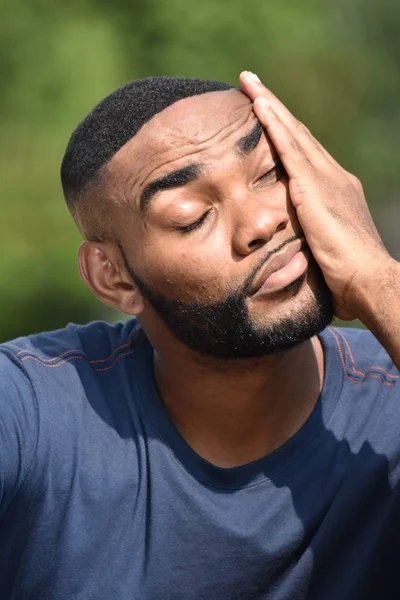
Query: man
{"points": [[226, 444]]}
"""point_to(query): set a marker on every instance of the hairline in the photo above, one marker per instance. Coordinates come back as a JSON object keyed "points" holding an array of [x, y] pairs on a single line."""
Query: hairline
{"points": [[99, 179]]}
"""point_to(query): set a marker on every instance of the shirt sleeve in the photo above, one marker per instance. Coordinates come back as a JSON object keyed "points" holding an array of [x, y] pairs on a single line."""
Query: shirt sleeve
{"points": [[18, 427]]}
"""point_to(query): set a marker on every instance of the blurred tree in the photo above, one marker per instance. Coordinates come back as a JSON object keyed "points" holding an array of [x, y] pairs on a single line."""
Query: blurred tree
{"points": [[336, 65]]}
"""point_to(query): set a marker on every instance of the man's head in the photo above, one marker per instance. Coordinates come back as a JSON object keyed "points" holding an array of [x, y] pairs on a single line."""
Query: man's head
{"points": [[184, 202]]}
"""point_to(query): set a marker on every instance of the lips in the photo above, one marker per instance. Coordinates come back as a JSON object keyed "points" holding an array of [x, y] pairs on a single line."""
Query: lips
{"points": [[278, 261]]}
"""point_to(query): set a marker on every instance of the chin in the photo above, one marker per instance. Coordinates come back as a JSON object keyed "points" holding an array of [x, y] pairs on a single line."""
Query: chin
{"points": [[306, 300], [240, 327]]}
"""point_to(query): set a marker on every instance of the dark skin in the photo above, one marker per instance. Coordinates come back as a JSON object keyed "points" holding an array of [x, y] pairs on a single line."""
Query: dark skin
{"points": [[331, 208], [230, 412]]}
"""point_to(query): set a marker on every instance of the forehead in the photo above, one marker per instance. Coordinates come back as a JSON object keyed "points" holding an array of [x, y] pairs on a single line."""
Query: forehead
{"points": [[181, 133], [197, 119]]}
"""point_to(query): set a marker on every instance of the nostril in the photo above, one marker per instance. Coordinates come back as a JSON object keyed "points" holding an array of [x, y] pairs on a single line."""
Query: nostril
{"points": [[281, 227], [257, 243]]}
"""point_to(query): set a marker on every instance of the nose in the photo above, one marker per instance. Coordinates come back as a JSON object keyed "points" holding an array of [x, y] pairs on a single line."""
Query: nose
{"points": [[256, 219]]}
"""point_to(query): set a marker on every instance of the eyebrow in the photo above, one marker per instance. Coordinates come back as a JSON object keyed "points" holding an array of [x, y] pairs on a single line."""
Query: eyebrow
{"points": [[186, 175], [248, 143], [171, 180]]}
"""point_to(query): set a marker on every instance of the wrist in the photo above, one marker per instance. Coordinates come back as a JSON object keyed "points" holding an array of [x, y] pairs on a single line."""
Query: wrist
{"points": [[378, 293]]}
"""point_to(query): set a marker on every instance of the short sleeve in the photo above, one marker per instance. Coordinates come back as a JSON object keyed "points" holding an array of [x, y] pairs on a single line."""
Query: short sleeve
{"points": [[18, 427]]}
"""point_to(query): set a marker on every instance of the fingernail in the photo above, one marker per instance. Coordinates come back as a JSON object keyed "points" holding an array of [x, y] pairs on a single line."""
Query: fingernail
{"points": [[253, 76]]}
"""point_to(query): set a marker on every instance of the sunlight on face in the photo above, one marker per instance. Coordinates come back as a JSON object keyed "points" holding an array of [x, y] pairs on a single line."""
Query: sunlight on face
{"points": [[211, 208]]}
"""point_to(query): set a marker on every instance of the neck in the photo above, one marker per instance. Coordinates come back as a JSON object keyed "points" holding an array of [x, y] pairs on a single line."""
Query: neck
{"points": [[234, 412]]}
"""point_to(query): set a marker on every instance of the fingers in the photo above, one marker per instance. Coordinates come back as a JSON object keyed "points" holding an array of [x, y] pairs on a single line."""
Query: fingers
{"points": [[290, 150], [253, 87], [251, 84]]}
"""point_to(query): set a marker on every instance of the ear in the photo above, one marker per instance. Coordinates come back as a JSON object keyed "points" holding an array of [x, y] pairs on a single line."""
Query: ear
{"points": [[102, 269]]}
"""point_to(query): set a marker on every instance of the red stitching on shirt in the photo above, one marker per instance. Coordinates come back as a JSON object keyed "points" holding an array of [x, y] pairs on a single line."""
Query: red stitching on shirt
{"points": [[63, 362], [40, 361], [99, 360], [392, 376], [52, 359], [365, 375], [133, 335], [116, 360], [340, 352]]}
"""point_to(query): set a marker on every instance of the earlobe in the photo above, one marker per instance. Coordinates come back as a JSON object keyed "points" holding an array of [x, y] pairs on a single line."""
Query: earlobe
{"points": [[100, 268]]}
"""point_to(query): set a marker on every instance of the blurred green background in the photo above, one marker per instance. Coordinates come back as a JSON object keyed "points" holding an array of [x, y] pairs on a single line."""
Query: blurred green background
{"points": [[335, 64]]}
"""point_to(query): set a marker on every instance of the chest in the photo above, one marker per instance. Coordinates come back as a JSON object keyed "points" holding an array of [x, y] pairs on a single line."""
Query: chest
{"points": [[134, 524]]}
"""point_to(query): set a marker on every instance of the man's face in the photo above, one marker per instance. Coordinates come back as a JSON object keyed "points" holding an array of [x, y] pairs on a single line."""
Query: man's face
{"points": [[209, 211]]}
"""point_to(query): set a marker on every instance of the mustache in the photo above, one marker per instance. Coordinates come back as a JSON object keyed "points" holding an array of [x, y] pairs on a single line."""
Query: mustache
{"points": [[245, 288]]}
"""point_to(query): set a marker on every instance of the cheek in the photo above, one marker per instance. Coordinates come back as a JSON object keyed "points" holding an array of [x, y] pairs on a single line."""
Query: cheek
{"points": [[189, 276]]}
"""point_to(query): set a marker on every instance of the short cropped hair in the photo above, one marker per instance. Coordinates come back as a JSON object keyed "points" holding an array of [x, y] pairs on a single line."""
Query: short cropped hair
{"points": [[113, 122]]}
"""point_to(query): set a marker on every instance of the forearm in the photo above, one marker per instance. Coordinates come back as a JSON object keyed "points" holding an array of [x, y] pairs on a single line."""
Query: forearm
{"points": [[381, 309]]}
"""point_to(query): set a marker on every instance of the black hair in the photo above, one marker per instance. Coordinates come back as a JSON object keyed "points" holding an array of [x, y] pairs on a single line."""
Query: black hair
{"points": [[115, 120]]}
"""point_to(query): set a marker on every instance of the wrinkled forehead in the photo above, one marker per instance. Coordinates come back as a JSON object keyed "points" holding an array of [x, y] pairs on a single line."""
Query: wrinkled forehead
{"points": [[194, 122], [199, 118]]}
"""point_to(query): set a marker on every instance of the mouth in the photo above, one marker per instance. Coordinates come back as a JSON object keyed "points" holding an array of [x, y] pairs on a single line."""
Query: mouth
{"points": [[282, 269]]}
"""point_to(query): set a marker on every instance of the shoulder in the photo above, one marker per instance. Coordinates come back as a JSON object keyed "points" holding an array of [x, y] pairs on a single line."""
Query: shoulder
{"points": [[367, 411], [28, 365], [64, 367], [19, 426], [55, 386], [361, 356], [97, 344]]}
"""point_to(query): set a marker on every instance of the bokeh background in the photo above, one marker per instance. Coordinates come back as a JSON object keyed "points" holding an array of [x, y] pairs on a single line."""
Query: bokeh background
{"points": [[335, 64]]}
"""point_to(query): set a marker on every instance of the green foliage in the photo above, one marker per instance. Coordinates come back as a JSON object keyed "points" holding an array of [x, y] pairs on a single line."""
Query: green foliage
{"points": [[336, 65]]}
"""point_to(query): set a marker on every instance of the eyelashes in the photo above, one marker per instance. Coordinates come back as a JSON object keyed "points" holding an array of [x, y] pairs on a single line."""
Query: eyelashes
{"points": [[195, 225], [273, 175]]}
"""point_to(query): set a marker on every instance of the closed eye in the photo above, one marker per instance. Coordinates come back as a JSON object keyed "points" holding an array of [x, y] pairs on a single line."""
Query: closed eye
{"points": [[193, 226], [274, 174]]}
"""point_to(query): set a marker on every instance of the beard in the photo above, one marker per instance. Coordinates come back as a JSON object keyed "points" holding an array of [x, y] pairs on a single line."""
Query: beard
{"points": [[225, 330]]}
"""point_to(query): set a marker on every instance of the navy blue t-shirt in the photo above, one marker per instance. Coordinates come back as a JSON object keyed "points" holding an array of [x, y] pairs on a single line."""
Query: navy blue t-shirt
{"points": [[101, 498]]}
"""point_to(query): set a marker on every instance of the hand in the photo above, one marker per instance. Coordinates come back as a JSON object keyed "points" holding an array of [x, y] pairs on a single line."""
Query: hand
{"points": [[329, 202]]}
